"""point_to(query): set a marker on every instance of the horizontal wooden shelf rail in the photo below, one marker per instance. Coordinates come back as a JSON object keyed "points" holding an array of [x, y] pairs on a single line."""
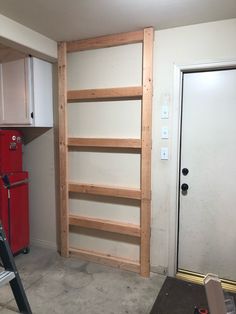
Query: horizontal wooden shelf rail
{"points": [[105, 41], [105, 225], [106, 259], [104, 142], [104, 190], [105, 94]]}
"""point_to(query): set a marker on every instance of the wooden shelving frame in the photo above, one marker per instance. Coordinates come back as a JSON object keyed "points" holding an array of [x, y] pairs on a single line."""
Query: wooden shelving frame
{"points": [[142, 146]]}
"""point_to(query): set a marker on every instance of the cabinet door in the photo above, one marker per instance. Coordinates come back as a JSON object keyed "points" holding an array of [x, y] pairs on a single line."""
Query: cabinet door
{"points": [[15, 97]]}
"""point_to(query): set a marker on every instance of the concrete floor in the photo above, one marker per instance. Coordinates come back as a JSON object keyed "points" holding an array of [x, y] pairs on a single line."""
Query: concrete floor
{"points": [[58, 285]]}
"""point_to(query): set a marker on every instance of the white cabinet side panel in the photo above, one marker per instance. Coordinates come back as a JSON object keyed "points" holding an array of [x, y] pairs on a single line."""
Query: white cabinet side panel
{"points": [[42, 93]]}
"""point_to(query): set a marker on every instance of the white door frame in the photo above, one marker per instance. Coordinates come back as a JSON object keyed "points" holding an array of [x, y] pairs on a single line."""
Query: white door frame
{"points": [[179, 70]]}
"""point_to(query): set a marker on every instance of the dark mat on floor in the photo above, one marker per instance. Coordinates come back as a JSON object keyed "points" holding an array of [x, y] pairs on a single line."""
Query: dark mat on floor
{"points": [[179, 297]]}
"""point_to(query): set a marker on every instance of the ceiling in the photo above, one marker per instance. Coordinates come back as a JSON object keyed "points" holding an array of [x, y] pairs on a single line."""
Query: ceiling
{"points": [[77, 19]]}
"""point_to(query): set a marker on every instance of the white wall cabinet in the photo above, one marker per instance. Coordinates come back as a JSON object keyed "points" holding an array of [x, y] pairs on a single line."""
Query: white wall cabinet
{"points": [[26, 93]]}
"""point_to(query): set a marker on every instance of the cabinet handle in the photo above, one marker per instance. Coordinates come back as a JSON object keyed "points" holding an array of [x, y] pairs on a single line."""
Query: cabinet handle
{"points": [[32, 115]]}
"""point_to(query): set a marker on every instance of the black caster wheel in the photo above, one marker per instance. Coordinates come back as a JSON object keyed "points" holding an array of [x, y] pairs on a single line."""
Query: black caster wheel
{"points": [[26, 250]]}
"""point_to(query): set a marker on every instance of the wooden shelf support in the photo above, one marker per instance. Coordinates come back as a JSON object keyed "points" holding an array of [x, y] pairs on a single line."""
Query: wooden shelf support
{"points": [[105, 41], [105, 225], [105, 94], [146, 152], [106, 259], [105, 190], [63, 157], [130, 143]]}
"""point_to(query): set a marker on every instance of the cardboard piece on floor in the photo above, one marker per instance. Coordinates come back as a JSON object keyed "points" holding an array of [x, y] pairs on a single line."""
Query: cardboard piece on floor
{"points": [[215, 295]]}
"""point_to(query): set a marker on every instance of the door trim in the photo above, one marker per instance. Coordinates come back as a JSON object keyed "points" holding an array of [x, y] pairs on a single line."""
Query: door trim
{"points": [[179, 71]]}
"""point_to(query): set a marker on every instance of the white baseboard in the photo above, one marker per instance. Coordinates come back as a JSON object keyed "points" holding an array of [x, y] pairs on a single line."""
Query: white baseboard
{"points": [[44, 244]]}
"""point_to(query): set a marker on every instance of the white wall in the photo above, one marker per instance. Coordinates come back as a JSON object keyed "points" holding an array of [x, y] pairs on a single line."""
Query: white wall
{"points": [[203, 43], [39, 161]]}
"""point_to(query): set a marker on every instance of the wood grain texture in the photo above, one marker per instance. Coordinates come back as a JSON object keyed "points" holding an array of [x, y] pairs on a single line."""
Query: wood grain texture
{"points": [[105, 41], [143, 92], [105, 190], [105, 225], [146, 151], [106, 259], [104, 142], [105, 94], [63, 156]]}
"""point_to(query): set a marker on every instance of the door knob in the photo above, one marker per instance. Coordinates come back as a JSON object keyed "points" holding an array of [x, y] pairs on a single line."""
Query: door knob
{"points": [[185, 171], [184, 187]]}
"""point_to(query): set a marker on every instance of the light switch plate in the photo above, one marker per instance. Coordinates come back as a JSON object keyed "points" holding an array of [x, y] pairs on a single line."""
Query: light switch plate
{"points": [[164, 132], [164, 112], [164, 153]]}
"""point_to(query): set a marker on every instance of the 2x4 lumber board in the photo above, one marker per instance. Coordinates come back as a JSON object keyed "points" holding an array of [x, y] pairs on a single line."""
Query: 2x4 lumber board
{"points": [[63, 155], [106, 259], [105, 41], [105, 225], [105, 94], [105, 190], [146, 151], [130, 143]]}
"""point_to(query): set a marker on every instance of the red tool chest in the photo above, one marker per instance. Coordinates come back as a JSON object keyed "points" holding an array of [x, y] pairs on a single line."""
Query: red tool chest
{"points": [[14, 204], [10, 151]]}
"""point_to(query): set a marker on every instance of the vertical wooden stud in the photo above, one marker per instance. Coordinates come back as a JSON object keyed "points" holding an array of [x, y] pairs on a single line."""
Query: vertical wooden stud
{"points": [[63, 155], [146, 135]]}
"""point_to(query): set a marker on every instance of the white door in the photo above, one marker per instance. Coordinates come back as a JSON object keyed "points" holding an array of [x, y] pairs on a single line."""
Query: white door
{"points": [[207, 209]]}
